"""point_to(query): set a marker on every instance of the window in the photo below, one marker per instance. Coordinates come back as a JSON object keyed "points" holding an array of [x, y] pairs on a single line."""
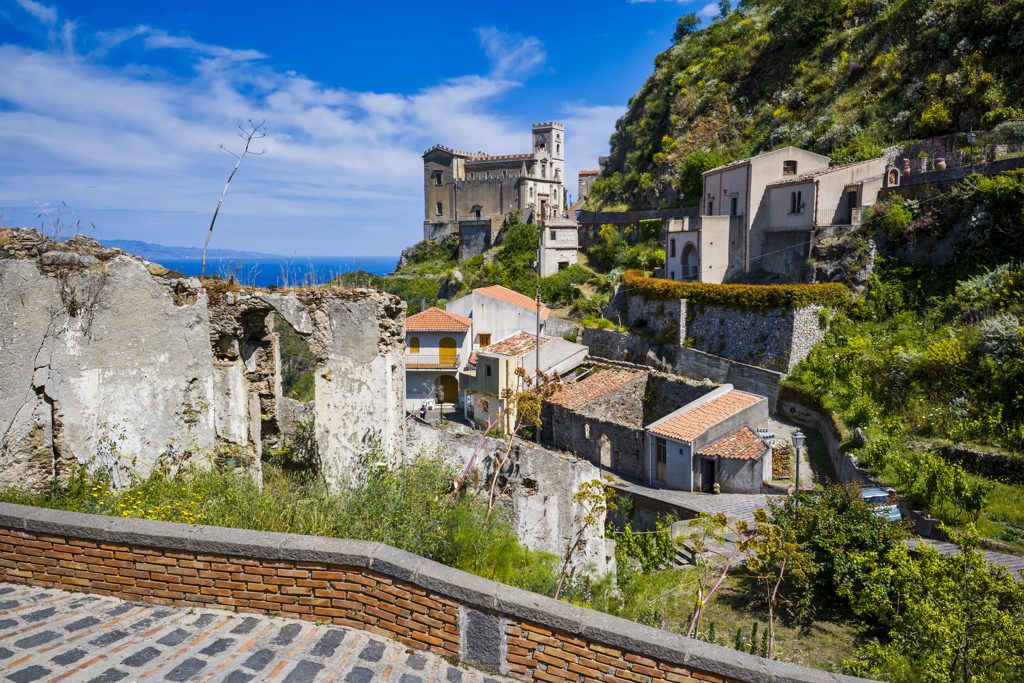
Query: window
{"points": [[543, 170], [485, 340], [477, 213], [711, 207], [414, 345], [799, 202], [558, 149], [472, 176], [488, 175], [504, 174], [488, 370], [437, 177], [732, 206], [672, 249], [531, 193], [788, 168], [792, 202], [554, 235], [659, 446], [440, 209], [558, 136]]}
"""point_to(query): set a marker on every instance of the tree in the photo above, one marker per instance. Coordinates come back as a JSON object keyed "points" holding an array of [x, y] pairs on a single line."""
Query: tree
{"points": [[712, 530], [685, 25], [962, 620], [776, 555], [255, 131]]}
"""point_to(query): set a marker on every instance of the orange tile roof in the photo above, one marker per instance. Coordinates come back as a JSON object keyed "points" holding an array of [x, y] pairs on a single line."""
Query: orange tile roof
{"points": [[575, 394], [436, 319], [590, 173], [743, 445], [499, 292], [693, 423], [519, 344]]}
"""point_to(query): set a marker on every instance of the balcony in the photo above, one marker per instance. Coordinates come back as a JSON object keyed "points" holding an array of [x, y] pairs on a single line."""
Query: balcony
{"points": [[833, 217], [427, 361]]}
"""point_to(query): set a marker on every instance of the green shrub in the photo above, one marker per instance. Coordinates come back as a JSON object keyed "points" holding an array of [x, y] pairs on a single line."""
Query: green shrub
{"points": [[561, 287], [740, 296]]}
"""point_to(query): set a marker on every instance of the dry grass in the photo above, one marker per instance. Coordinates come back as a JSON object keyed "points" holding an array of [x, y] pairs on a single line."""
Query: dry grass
{"points": [[5, 237]]}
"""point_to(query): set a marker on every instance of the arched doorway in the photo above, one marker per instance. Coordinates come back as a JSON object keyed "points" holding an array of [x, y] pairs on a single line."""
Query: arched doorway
{"points": [[449, 388], [446, 351], [605, 444], [691, 264]]}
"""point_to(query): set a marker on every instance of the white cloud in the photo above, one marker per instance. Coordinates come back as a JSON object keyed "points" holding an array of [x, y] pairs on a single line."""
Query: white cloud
{"points": [[42, 13], [136, 150], [709, 10], [511, 56]]}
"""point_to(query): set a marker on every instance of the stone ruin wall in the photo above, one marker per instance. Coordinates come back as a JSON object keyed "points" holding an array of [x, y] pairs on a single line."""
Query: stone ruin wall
{"points": [[111, 361]]}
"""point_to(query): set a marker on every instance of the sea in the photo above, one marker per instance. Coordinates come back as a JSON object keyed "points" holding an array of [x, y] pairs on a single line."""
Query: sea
{"points": [[282, 271]]}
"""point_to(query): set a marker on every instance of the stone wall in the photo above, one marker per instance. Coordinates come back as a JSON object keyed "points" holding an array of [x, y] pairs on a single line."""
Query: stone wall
{"points": [[362, 585], [111, 360], [536, 486], [993, 466], [772, 338], [615, 345]]}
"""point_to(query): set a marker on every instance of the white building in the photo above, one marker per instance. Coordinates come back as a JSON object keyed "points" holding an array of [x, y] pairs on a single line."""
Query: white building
{"points": [[497, 313], [438, 344], [708, 442], [559, 246]]}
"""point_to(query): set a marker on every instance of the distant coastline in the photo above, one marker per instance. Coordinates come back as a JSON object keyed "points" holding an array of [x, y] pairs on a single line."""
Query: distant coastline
{"points": [[154, 252]]}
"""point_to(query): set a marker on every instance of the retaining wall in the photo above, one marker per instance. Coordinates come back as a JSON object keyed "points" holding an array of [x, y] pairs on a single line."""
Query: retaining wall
{"points": [[362, 585]]}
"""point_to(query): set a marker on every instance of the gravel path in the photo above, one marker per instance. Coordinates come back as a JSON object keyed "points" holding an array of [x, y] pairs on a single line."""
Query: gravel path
{"points": [[51, 635]]}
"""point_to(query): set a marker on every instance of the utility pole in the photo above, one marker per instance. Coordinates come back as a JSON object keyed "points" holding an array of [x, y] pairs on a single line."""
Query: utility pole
{"points": [[540, 236]]}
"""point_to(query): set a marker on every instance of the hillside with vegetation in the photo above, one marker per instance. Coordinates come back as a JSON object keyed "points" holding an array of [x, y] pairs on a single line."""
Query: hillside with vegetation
{"points": [[845, 78]]}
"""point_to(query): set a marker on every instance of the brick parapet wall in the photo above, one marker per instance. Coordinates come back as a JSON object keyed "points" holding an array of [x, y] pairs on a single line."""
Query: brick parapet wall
{"points": [[362, 585]]}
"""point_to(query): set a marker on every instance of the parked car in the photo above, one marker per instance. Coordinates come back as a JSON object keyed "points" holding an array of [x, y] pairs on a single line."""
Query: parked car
{"points": [[882, 502]]}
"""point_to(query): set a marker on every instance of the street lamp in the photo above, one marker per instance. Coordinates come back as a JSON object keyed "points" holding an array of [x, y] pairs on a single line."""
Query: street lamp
{"points": [[798, 444], [971, 138]]}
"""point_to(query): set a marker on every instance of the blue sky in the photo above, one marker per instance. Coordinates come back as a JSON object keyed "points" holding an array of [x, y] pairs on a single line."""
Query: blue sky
{"points": [[118, 109]]}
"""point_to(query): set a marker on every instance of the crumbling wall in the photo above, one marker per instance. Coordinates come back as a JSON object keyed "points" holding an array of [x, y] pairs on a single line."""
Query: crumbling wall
{"points": [[114, 362], [536, 488]]}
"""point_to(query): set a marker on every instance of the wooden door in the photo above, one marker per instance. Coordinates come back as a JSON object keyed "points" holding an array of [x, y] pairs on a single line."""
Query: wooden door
{"points": [[707, 476], [446, 352], [660, 450], [449, 388]]}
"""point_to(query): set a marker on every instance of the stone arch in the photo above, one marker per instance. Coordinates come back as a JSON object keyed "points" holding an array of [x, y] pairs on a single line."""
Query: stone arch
{"points": [[691, 262]]}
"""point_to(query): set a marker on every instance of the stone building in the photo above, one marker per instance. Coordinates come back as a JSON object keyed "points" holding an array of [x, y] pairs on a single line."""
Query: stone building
{"points": [[475, 186], [759, 213], [586, 179]]}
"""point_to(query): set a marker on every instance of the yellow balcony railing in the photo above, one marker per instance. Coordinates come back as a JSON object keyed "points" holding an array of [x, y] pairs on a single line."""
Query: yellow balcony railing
{"points": [[428, 360]]}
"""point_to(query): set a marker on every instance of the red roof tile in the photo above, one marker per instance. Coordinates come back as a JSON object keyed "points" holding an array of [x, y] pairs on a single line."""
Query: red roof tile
{"points": [[811, 175], [743, 445], [437, 320], [693, 423], [575, 394], [499, 292], [590, 173]]}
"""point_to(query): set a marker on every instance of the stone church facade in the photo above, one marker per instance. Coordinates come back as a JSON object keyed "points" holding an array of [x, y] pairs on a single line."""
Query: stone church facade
{"points": [[460, 187]]}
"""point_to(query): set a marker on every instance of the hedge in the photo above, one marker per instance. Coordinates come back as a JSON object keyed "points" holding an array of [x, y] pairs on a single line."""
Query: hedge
{"points": [[833, 295]]}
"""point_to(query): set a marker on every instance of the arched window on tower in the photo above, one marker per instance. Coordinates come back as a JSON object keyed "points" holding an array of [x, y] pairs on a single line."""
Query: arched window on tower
{"points": [[799, 202], [792, 202]]}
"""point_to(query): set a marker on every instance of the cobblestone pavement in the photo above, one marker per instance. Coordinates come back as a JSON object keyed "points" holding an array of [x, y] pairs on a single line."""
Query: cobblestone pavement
{"points": [[50, 635]]}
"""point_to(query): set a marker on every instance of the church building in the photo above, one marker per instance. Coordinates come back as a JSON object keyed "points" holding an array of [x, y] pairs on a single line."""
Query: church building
{"points": [[474, 187]]}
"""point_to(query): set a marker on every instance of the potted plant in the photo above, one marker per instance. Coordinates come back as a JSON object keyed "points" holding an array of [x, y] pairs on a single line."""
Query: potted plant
{"points": [[906, 165], [940, 164]]}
